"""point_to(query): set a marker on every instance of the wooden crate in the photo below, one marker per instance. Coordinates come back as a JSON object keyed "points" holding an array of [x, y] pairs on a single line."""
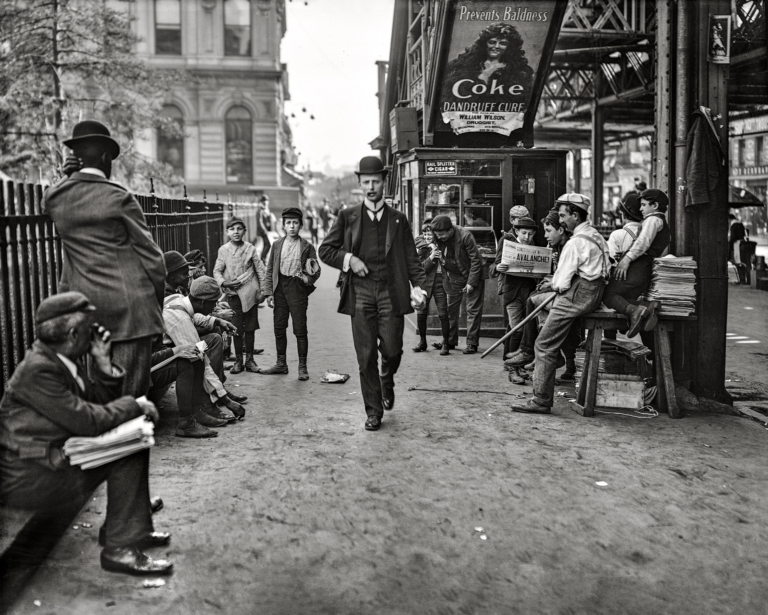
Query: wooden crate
{"points": [[620, 391]]}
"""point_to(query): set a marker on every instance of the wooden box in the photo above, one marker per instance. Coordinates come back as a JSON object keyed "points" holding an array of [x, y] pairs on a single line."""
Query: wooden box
{"points": [[620, 391]]}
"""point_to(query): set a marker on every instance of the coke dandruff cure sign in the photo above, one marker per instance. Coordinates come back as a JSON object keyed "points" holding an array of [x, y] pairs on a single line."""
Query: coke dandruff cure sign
{"points": [[493, 57], [526, 260]]}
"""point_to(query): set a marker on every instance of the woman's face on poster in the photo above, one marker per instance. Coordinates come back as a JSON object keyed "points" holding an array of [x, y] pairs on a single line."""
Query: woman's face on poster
{"points": [[496, 47]]}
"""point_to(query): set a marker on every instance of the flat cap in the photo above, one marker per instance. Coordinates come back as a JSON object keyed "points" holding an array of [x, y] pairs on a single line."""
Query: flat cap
{"points": [[427, 224], [194, 256], [519, 211], [574, 198], [61, 304], [442, 223], [525, 222], [292, 212], [552, 218], [174, 261], [205, 288], [655, 195], [235, 220]]}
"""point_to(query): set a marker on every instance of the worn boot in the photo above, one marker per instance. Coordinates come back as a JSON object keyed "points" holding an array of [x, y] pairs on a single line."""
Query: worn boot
{"points": [[445, 348], [189, 428], [281, 367], [227, 408], [206, 420], [238, 366], [303, 373], [250, 364], [421, 346], [637, 315]]}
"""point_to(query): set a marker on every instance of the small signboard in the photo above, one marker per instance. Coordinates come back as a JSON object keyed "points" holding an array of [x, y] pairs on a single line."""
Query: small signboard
{"points": [[719, 44], [526, 260], [440, 167]]}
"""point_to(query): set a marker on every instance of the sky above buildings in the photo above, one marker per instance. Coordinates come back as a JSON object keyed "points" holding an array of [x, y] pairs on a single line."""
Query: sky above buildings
{"points": [[331, 48]]}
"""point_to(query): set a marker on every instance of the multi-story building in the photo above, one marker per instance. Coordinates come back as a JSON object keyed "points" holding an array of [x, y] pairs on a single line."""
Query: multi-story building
{"points": [[237, 142]]}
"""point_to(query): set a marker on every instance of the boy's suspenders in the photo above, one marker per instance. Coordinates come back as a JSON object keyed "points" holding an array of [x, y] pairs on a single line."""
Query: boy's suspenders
{"points": [[606, 273], [620, 255]]}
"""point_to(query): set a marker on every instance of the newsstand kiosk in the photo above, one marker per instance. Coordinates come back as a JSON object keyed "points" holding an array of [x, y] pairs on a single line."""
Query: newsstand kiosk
{"points": [[459, 137]]}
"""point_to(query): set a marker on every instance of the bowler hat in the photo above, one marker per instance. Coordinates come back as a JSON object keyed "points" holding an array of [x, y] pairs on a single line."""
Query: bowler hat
{"points": [[525, 222], [61, 304], [574, 198], [630, 206], [204, 288], [174, 261], [657, 196], [442, 223], [293, 212], [235, 220], [370, 165], [91, 130]]}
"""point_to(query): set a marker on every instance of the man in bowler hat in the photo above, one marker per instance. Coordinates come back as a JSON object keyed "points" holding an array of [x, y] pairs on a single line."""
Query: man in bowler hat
{"points": [[109, 253], [372, 244]]}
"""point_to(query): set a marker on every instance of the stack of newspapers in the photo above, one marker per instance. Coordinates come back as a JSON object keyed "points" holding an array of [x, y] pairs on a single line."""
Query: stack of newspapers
{"points": [[126, 439], [673, 283]]}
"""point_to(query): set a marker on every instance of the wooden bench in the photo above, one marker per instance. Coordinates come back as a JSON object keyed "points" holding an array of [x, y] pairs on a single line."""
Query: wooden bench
{"points": [[596, 323]]}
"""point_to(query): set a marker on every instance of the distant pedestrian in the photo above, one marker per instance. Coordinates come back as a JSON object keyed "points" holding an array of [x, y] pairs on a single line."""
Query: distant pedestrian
{"points": [[242, 276], [263, 226], [373, 246], [429, 254], [109, 253], [292, 271]]}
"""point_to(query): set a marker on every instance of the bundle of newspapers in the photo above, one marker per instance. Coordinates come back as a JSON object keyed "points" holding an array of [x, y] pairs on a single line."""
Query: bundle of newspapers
{"points": [[673, 283], [126, 439]]}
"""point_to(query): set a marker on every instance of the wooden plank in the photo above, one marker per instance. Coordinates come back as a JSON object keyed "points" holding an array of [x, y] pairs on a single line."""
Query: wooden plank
{"points": [[594, 363], [581, 395], [663, 357]]}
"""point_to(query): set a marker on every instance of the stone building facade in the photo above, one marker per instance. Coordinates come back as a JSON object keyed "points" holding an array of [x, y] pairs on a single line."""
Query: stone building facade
{"points": [[237, 142]]}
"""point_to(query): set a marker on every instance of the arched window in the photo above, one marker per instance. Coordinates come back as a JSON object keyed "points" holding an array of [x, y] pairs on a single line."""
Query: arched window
{"points": [[237, 27], [168, 27], [239, 146], [170, 148]]}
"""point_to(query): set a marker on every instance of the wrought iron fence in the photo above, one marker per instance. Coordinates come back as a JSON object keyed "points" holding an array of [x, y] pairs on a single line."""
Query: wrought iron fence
{"points": [[31, 253]]}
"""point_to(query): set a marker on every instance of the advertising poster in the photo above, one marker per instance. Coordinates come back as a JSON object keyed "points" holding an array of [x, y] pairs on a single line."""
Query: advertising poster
{"points": [[530, 260], [493, 58]]}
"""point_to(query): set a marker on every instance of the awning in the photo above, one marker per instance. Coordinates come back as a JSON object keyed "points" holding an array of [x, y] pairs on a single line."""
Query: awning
{"points": [[741, 197]]}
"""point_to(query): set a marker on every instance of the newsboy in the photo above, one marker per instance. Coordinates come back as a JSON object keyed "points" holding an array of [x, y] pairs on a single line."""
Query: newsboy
{"points": [[50, 398], [372, 244]]}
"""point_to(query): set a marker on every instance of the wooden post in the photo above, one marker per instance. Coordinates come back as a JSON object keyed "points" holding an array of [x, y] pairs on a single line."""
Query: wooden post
{"points": [[598, 153]]}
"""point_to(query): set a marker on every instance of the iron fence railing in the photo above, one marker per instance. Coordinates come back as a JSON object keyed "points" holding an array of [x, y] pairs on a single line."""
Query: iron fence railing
{"points": [[31, 253]]}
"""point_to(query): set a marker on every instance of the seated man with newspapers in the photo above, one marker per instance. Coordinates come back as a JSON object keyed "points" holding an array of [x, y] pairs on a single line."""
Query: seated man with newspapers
{"points": [[49, 400]]}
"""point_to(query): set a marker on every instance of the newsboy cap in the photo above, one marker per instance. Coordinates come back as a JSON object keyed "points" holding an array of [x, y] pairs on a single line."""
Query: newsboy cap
{"points": [[194, 256], [525, 222], [574, 198], [370, 165], [630, 206], [174, 261], [442, 223], [519, 211], [292, 212], [61, 304], [235, 220], [91, 130], [657, 196], [205, 288]]}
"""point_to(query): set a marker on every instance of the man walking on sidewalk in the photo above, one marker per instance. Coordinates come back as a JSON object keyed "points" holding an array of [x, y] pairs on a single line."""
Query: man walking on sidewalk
{"points": [[579, 282], [373, 246]]}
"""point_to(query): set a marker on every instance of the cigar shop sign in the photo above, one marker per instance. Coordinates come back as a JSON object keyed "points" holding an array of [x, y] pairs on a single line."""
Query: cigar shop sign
{"points": [[493, 58]]}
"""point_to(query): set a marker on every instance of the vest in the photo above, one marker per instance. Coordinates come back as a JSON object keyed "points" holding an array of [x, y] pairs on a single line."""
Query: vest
{"points": [[661, 241], [373, 245]]}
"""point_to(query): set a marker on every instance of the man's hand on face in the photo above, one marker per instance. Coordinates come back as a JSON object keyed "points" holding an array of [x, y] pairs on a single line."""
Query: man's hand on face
{"points": [[101, 348], [149, 410], [358, 266], [71, 165], [187, 351]]}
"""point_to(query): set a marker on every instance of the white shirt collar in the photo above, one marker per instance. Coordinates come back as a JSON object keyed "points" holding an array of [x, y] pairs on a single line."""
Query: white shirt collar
{"points": [[374, 209], [94, 171], [72, 369], [188, 306]]}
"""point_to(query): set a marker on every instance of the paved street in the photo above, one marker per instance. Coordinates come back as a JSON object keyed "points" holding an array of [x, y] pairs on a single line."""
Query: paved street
{"points": [[298, 510]]}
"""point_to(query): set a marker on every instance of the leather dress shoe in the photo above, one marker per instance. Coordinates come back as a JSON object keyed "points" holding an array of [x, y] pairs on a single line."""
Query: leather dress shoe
{"points": [[230, 404], [155, 504], [132, 561], [637, 315], [373, 423], [240, 399], [439, 346], [470, 349], [206, 420], [388, 401], [653, 317], [153, 539], [531, 408], [258, 351], [420, 347]]}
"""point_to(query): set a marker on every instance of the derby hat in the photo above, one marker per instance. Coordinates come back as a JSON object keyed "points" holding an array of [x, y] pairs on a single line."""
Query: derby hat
{"points": [[371, 165], [574, 198], [630, 206], [525, 222], [62, 304], [174, 261], [95, 132]]}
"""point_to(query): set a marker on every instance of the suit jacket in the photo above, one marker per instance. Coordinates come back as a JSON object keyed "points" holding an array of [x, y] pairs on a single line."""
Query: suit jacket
{"points": [[273, 265], [511, 286], [43, 406], [109, 254], [467, 257], [403, 263], [705, 162]]}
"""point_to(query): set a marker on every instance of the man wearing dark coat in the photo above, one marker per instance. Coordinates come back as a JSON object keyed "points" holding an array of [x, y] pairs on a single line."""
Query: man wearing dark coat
{"points": [[108, 252], [373, 246], [50, 398]]}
